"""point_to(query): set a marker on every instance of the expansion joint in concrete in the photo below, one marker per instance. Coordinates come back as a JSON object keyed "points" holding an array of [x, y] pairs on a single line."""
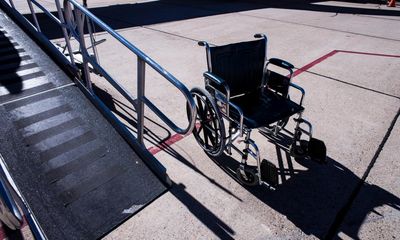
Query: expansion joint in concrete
{"points": [[345, 209]]}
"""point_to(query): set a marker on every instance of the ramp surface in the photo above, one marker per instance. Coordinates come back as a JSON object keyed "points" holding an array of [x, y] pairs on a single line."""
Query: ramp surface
{"points": [[79, 176]]}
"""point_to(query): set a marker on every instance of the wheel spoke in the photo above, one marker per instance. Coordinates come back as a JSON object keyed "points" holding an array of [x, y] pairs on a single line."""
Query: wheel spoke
{"points": [[209, 132], [205, 133], [200, 106], [200, 128], [212, 139]]}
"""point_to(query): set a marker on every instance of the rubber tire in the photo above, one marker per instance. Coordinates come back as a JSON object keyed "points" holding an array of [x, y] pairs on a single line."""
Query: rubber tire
{"points": [[221, 147], [251, 173]]}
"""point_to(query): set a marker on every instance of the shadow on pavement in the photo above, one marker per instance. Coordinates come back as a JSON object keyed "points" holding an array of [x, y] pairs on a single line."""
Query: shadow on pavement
{"points": [[128, 114], [9, 64], [120, 16], [209, 219], [312, 198]]}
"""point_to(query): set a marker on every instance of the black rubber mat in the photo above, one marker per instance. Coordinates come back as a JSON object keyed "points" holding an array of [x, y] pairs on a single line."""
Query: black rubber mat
{"points": [[79, 176]]}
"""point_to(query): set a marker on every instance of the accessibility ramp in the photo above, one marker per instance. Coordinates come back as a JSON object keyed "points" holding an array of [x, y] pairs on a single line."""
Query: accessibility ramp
{"points": [[80, 178]]}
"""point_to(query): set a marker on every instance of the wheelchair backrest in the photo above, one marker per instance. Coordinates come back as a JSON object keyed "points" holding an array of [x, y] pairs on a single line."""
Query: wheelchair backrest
{"points": [[240, 65]]}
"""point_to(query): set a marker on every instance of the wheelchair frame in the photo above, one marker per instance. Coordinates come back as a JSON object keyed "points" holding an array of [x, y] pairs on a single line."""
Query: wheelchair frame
{"points": [[222, 105]]}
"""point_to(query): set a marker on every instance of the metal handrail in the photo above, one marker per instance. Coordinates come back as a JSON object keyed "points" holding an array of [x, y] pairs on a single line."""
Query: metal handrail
{"points": [[67, 21], [142, 58]]}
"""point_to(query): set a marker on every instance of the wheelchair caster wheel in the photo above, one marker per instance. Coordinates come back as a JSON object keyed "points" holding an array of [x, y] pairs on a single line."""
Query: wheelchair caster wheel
{"points": [[317, 150], [251, 178], [299, 151]]}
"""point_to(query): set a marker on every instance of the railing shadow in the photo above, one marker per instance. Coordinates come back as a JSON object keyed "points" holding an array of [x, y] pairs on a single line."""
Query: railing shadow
{"points": [[12, 83], [9, 64], [128, 114], [209, 219], [204, 215], [309, 196], [150, 136]]}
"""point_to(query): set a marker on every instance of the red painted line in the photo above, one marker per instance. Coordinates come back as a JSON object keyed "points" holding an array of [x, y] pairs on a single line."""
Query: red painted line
{"points": [[161, 146], [177, 137], [313, 63], [370, 54]]}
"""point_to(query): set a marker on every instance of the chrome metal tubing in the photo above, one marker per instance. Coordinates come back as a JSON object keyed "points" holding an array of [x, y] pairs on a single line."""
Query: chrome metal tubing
{"points": [[256, 155], [240, 114], [64, 30], [12, 3], [45, 11], [141, 70], [302, 91], [80, 20], [34, 15], [175, 82], [5, 176]]}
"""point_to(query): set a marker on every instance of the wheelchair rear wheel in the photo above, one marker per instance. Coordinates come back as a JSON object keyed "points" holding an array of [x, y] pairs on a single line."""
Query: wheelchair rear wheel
{"points": [[209, 130]]}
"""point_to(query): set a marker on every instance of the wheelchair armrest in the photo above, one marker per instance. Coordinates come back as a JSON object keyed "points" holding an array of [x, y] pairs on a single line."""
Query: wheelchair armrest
{"points": [[219, 81], [295, 86], [281, 63]]}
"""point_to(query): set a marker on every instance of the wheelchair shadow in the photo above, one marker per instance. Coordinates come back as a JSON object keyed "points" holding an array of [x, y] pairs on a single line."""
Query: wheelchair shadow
{"points": [[313, 198], [208, 218]]}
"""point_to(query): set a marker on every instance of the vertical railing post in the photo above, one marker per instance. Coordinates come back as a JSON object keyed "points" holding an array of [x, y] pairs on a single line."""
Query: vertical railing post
{"points": [[64, 30], [140, 96], [80, 21], [12, 4], [34, 15]]}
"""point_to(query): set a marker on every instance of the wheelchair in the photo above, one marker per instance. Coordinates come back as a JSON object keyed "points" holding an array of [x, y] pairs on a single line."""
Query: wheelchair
{"points": [[242, 90]]}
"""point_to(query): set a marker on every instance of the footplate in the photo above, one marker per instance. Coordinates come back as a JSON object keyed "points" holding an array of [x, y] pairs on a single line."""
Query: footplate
{"points": [[269, 173]]}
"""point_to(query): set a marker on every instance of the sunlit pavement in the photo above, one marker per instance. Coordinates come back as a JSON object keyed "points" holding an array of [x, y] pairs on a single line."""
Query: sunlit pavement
{"points": [[348, 60]]}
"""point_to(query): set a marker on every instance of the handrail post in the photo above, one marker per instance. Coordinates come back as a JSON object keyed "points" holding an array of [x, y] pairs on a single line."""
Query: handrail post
{"points": [[12, 3], [34, 15], [64, 30], [141, 69], [80, 20]]}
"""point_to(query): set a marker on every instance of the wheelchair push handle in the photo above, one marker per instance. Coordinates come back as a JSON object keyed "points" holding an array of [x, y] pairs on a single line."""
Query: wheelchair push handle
{"points": [[203, 43], [260, 35], [281, 63]]}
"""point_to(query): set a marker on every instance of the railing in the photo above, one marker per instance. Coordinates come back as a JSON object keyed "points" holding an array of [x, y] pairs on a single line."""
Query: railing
{"points": [[72, 20]]}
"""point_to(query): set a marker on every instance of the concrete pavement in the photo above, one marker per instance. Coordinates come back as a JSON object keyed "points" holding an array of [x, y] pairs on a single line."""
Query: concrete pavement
{"points": [[352, 99]]}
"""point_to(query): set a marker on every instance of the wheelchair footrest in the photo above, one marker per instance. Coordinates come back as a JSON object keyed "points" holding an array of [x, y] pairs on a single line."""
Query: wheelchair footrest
{"points": [[269, 173], [317, 150]]}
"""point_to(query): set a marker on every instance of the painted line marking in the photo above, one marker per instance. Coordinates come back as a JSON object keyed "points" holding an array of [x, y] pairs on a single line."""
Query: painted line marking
{"points": [[177, 137]]}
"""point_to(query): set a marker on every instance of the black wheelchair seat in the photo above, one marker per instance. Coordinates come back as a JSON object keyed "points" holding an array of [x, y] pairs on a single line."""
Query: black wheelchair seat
{"points": [[248, 91], [263, 108]]}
